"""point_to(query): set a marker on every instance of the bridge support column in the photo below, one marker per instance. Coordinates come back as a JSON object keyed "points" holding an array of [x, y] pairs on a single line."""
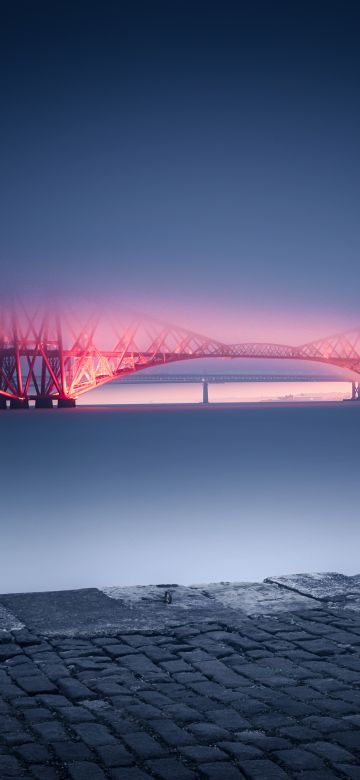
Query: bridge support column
{"points": [[19, 403], [44, 403], [205, 392], [66, 403], [2, 402], [355, 394]]}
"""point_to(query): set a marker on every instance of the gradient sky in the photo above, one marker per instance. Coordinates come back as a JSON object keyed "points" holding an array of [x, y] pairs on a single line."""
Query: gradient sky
{"points": [[188, 156]]}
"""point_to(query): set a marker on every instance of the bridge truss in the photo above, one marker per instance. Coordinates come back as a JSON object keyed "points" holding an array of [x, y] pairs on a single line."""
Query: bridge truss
{"points": [[50, 356]]}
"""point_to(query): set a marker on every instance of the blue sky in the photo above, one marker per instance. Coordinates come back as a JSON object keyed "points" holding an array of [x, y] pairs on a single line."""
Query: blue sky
{"points": [[187, 155]]}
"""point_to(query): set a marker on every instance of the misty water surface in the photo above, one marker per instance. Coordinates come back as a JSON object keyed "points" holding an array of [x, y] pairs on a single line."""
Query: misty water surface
{"points": [[96, 496]]}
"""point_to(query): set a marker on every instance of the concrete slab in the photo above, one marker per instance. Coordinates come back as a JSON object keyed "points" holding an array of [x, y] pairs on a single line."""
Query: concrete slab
{"points": [[65, 612], [8, 621], [88, 612], [247, 597], [253, 598], [91, 612], [329, 587], [181, 596]]}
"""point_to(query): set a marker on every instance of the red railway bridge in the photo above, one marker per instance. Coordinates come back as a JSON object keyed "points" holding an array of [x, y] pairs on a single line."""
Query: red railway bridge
{"points": [[47, 356]]}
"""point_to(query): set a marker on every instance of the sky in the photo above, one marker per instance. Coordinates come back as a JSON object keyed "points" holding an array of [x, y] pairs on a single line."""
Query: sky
{"points": [[197, 159]]}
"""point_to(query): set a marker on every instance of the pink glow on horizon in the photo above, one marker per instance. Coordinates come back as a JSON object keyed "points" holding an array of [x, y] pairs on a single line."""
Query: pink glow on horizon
{"points": [[249, 320], [218, 393]]}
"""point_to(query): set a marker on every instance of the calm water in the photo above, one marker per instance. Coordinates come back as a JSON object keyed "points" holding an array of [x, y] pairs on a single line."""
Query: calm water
{"points": [[97, 496]]}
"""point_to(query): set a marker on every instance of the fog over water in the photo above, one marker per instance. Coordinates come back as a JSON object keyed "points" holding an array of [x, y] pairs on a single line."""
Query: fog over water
{"points": [[138, 495]]}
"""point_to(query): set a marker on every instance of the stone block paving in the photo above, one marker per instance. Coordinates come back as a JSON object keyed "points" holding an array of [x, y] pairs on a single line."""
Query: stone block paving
{"points": [[262, 698]]}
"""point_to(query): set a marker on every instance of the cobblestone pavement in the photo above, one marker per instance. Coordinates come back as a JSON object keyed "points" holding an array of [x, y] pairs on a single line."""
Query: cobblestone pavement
{"points": [[256, 697]]}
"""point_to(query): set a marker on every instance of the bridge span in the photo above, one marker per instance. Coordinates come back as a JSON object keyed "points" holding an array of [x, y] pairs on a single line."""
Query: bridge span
{"points": [[51, 356], [149, 378]]}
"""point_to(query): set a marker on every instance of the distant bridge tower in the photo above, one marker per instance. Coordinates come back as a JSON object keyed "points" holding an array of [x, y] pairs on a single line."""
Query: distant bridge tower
{"points": [[205, 385], [355, 395]]}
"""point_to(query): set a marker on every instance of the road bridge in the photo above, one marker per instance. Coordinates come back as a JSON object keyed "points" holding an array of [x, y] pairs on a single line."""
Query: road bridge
{"points": [[148, 378]]}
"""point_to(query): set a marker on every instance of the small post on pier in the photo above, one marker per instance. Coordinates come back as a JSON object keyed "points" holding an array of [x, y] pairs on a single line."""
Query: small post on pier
{"points": [[355, 394], [205, 385]]}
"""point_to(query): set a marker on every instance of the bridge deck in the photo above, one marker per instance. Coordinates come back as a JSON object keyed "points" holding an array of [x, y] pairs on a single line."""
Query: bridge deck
{"points": [[147, 378]]}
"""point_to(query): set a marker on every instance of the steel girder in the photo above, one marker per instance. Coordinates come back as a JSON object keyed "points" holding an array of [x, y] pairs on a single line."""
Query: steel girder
{"points": [[52, 355]]}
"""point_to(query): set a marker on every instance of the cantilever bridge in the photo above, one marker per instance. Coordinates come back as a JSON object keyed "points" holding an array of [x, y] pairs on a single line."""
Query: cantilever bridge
{"points": [[49, 356]]}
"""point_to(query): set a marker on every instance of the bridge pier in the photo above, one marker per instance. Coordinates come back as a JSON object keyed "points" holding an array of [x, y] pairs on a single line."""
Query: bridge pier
{"points": [[44, 403], [205, 392], [66, 403], [19, 403], [355, 392], [2, 402]]}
